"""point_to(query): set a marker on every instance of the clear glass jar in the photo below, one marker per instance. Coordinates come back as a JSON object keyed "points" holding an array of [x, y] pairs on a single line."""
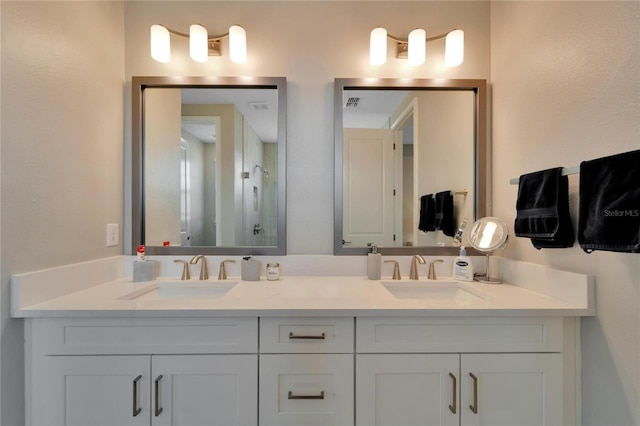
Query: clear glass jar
{"points": [[273, 271]]}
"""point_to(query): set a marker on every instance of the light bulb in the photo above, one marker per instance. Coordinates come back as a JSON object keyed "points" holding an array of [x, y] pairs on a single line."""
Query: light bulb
{"points": [[198, 43], [454, 48], [160, 44], [237, 44], [378, 46], [417, 47]]}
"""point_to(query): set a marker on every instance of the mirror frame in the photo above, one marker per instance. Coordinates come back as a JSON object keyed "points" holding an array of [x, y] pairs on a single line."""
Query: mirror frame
{"points": [[479, 87], [138, 85]]}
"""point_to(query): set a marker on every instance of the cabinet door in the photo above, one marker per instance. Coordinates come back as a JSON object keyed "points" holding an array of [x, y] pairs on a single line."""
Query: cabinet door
{"points": [[306, 389], [407, 390], [93, 391], [511, 389], [204, 390]]}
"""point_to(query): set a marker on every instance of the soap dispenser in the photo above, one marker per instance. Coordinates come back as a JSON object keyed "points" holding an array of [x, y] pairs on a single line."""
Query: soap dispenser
{"points": [[462, 267], [374, 263]]}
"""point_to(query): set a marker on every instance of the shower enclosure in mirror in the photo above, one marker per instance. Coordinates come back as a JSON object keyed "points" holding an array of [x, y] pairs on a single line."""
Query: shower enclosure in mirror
{"points": [[410, 164], [209, 165]]}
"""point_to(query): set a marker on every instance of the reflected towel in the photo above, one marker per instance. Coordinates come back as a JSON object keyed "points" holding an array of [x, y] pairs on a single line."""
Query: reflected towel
{"points": [[542, 209], [427, 213], [609, 206], [444, 213]]}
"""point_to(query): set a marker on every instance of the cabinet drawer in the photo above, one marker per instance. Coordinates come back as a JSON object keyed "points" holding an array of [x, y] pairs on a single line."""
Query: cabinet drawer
{"points": [[420, 334], [306, 335], [69, 336], [309, 389]]}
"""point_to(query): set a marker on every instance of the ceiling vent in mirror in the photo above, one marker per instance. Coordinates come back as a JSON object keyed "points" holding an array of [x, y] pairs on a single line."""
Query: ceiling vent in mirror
{"points": [[352, 102], [259, 106]]}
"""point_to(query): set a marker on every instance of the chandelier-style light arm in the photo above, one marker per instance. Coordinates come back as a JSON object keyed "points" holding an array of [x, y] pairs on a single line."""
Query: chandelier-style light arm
{"points": [[210, 38], [405, 40]]}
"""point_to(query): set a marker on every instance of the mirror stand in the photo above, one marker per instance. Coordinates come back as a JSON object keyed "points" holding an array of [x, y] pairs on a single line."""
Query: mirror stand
{"points": [[486, 277], [488, 235]]}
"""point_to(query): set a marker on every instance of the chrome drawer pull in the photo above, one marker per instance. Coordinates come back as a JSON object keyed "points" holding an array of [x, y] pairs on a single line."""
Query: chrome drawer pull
{"points": [[158, 409], [136, 409], [292, 396], [320, 337]]}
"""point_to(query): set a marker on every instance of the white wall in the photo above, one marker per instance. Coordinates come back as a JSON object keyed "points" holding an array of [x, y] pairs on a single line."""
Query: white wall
{"points": [[566, 88], [62, 150]]}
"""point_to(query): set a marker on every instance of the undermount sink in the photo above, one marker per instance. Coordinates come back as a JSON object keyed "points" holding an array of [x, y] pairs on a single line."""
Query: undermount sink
{"points": [[440, 290], [183, 290]]}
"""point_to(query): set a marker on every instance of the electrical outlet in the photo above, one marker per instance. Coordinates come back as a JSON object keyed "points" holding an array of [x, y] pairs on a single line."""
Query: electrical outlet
{"points": [[113, 234]]}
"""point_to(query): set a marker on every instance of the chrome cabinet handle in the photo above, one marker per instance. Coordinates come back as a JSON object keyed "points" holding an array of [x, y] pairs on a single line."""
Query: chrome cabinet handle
{"points": [[136, 409], [320, 337], [454, 396], [292, 396], [474, 407], [158, 409]]}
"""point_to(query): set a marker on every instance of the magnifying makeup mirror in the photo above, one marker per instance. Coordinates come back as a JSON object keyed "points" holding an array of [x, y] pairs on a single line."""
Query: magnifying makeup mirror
{"points": [[488, 235]]}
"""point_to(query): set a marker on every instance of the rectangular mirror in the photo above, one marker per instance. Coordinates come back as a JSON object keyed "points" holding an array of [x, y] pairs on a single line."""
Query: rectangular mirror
{"points": [[399, 143], [209, 165]]}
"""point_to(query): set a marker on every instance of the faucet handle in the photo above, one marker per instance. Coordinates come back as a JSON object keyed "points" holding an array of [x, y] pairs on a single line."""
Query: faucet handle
{"points": [[432, 268], [222, 273], [186, 275], [396, 269]]}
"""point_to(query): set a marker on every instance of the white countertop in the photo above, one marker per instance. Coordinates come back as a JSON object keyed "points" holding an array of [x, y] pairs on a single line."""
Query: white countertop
{"points": [[298, 296]]}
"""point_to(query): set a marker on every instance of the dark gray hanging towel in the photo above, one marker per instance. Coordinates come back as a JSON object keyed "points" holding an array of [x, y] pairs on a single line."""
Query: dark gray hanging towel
{"points": [[427, 213], [444, 213], [542, 209], [609, 207]]}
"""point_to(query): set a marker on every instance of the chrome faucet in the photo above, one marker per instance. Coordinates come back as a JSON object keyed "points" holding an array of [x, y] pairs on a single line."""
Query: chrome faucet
{"points": [[432, 269], [396, 269], [186, 275], [222, 273], [204, 271], [413, 273]]}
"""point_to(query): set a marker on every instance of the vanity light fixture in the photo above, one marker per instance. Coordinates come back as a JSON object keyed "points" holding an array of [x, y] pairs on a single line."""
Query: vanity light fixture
{"points": [[201, 45], [413, 47]]}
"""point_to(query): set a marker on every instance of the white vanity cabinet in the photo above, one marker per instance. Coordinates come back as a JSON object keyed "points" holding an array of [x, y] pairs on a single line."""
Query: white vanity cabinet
{"points": [[299, 371], [476, 371], [143, 372], [306, 371]]}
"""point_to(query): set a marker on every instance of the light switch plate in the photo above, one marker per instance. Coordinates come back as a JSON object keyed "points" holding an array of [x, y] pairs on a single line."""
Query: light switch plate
{"points": [[113, 234]]}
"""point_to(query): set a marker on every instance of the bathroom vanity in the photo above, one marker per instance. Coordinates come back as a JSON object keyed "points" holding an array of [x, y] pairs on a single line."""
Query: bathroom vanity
{"points": [[304, 350]]}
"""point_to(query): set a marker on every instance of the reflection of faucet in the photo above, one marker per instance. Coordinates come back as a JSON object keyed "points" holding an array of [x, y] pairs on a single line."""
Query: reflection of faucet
{"points": [[396, 269], [204, 271], [413, 273], [257, 229], [432, 269], [222, 273]]}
